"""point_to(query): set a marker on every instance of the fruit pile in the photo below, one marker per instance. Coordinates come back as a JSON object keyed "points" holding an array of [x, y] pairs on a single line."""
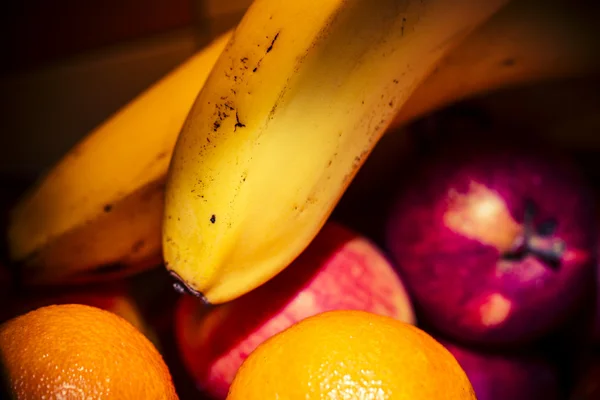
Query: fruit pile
{"points": [[496, 241], [309, 208]]}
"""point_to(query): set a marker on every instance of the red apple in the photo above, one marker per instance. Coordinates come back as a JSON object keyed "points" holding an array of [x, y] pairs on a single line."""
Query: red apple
{"points": [[495, 243], [339, 270], [512, 376]]}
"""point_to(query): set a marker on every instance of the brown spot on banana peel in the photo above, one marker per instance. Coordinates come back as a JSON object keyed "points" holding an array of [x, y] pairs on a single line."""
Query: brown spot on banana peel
{"points": [[277, 102], [267, 51], [272, 43], [222, 112], [238, 124]]}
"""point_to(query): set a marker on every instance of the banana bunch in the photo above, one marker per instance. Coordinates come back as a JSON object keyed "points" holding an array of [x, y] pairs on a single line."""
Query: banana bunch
{"points": [[97, 213], [527, 41], [273, 122]]}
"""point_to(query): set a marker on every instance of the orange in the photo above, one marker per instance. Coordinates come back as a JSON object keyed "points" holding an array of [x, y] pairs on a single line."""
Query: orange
{"points": [[80, 352], [351, 355]]}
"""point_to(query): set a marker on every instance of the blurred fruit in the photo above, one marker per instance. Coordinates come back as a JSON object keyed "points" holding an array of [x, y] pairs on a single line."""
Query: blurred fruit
{"points": [[527, 42], [596, 321], [503, 375], [587, 387], [496, 243], [339, 270], [351, 355], [562, 112], [114, 297], [97, 206], [78, 351]]}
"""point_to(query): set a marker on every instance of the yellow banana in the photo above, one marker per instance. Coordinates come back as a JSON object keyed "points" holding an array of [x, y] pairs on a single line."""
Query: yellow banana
{"points": [[525, 42], [101, 205], [293, 107], [61, 232]]}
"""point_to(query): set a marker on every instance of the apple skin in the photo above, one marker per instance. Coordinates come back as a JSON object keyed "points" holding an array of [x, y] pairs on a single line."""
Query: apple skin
{"points": [[502, 375], [340, 269], [451, 229]]}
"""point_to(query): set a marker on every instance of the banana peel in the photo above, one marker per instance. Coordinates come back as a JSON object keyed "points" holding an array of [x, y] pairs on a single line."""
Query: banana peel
{"points": [[79, 224], [293, 107], [97, 213]]}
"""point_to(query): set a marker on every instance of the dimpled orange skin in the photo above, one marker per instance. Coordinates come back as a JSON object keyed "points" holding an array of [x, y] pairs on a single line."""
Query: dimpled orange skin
{"points": [[351, 355], [80, 352]]}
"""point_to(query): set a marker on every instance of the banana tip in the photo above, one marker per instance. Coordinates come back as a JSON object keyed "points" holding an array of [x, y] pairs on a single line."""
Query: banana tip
{"points": [[182, 287]]}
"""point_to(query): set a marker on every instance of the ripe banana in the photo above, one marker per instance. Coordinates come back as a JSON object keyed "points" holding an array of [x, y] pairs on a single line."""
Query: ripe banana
{"points": [[293, 107], [100, 208], [60, 231], [527, 41]]}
